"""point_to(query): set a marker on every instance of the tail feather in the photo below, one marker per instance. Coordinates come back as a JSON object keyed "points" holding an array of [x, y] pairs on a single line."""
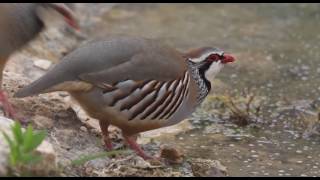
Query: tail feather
{"points": [[31, 89], [39, 86]]}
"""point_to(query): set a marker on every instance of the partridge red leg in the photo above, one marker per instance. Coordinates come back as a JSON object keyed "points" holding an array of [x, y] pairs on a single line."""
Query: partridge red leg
{"points": [[133, 145], [105, 135], [7, 107]]}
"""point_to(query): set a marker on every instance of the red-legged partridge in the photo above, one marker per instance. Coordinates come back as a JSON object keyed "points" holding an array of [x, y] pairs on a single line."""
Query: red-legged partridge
{"points": [[19, 24], [135, 84]]}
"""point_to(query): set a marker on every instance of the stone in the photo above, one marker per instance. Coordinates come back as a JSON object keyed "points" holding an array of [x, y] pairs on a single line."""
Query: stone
{"points": [[172, 154], [207, 168], [42, 63], [43, 122], [84, 129]]}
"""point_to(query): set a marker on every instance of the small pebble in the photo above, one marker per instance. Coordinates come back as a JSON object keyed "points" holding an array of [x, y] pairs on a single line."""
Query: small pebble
{"points": [[84, 129], [42, 63], [300, 162], [298, 151]]}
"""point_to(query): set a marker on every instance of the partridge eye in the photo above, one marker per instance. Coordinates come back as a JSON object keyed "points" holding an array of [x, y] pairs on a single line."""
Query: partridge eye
{"points": [[214, 57]]}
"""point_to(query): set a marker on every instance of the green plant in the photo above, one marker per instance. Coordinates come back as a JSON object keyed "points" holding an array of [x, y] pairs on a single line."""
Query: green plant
{"points": [[23, 144]]}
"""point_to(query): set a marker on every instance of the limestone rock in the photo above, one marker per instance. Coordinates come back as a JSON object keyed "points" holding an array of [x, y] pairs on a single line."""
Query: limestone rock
{"points": [[43, 122], [42, 63]]}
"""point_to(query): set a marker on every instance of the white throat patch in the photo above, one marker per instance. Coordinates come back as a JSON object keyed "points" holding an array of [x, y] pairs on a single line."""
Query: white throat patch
{"points": [[214, 69]]}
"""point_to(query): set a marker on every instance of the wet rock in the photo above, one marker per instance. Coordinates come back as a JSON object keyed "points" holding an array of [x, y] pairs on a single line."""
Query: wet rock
{"points": [[207, 168]]}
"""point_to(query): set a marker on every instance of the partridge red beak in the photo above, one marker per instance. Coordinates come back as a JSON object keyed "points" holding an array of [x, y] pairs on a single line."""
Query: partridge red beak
{"points": [[227, 58]]}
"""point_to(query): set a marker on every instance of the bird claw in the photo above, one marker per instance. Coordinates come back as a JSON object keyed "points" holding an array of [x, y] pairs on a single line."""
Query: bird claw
{"points": [[107, 143], [134, 146]]}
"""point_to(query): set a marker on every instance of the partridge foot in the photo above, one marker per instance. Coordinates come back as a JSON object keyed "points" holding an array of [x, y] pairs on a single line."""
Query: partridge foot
{"points": [[105, 135], [134, 146]]}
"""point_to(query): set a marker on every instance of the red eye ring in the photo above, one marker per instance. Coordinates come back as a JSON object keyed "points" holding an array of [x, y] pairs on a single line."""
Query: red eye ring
{"points": [[213, 57]]}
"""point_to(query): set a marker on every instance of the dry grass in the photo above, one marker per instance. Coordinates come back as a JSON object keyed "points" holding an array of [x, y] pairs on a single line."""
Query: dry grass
{"points": [[311, 125], [242, 109]]}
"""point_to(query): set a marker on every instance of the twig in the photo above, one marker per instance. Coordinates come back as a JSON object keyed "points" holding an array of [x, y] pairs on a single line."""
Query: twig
{"points": [[249, 103]]}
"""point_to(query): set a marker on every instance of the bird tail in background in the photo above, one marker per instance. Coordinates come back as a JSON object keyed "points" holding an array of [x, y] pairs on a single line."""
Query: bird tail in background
{"points": [[39, 86], [29, 90]]}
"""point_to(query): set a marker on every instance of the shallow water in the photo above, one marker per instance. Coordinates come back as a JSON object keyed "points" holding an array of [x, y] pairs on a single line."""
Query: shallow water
{"points": [[278, 56]]}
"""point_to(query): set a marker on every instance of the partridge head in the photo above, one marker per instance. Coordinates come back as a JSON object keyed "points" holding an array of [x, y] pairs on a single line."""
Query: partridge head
{"points": [[136, 84]]}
